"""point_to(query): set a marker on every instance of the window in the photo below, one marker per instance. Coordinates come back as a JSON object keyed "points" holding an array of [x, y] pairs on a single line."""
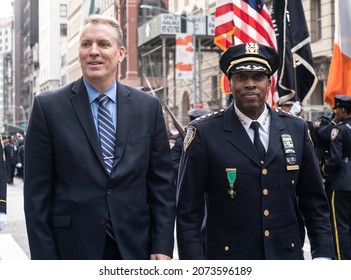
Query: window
{"points": [[63, 10], [316, 20], [63, 29]]}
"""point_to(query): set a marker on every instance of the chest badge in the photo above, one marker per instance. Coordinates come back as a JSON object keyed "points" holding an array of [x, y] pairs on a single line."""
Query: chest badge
{"points": [[289, 152]]}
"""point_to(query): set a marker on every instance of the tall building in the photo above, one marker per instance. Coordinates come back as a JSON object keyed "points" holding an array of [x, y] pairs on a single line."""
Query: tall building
{"points": [[26, 57], [52, 43], [7, 110]]}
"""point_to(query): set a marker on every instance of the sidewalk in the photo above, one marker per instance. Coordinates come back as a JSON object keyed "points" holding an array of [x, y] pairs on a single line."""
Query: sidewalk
{"points": [[13, 239]]}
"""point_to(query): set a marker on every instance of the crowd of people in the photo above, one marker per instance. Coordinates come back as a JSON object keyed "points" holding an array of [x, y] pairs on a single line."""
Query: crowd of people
{"points": [[104, 180]]}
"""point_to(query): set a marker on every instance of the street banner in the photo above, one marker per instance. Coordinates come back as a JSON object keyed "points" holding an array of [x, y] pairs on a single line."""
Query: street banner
{"points": [[339, 78], [296, 73], [184, 56]]}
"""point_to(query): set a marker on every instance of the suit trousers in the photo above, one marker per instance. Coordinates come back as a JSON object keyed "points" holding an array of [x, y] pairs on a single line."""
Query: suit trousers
{"points": [[111, 250]]}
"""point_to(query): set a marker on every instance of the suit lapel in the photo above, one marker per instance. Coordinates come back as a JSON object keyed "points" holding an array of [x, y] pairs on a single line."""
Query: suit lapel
{"points": [[276, 130], [124, 115], [81, 105]]}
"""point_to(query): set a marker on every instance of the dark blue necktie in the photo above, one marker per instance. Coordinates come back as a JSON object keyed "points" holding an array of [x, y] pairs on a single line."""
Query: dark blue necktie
{"points": [[107, 132], [257, 140], [107, 135]]}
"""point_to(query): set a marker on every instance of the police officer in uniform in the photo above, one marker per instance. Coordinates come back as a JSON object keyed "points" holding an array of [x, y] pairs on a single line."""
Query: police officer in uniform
{"points": [[255, 183], [337, 168], [3, 189]]}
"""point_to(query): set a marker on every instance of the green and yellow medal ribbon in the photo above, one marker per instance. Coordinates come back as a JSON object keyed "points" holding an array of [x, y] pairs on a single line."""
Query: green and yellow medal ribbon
{"points": [[231, 176]]}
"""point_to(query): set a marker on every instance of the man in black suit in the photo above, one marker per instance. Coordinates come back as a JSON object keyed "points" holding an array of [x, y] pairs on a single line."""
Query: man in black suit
{"points": [[258, 171], [73, 195], [3, 190]]}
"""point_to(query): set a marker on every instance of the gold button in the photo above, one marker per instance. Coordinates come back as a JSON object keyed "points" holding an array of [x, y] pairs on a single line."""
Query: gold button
{"points": [[266, 213], [292, 245], [264, 171], [226, 248], [266, 233], [265, 192]]}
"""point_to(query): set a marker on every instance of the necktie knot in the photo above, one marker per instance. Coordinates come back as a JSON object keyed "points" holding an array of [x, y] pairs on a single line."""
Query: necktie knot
{"points": [[257, 140], [102, 99], [255, 126]]}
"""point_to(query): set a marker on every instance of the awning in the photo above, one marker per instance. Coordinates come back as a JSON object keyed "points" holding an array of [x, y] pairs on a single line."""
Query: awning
{"points": [[12, 129]]}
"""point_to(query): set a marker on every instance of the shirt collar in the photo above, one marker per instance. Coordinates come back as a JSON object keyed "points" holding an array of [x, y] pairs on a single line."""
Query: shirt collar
{"points": [[93, 93], [263, 119]]}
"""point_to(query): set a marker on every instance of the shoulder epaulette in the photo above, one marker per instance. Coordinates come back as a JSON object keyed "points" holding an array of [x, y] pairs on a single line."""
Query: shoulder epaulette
{"points": [[211, 115], [287, 114]]}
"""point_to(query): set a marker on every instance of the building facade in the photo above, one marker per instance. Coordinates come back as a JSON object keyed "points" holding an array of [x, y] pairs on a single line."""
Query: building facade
{"points": [[7, 108]]}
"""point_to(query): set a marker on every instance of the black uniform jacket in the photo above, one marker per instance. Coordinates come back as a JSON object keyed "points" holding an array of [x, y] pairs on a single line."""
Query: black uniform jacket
{"points": [[338, 165], [3, 186], [68, 193], [259, 221]]}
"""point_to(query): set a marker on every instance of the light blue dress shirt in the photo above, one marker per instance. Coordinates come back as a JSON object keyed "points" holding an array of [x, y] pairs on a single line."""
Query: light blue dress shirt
{"points": [[111, 104]]}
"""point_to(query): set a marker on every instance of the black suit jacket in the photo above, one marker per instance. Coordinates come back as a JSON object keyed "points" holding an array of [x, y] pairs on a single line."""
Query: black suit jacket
{"points": [[262, 221], [68, 193]]}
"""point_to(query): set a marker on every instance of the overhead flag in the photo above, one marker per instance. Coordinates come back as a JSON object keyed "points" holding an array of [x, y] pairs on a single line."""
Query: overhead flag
{"points": [[339, 78], [296, 72], [241, 21], [224, 24]]}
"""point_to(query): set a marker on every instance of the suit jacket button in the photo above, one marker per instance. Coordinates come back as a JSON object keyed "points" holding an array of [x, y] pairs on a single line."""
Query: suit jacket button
{"points": [[226, 248], [103, 221], [266, 233], [109, 192]]}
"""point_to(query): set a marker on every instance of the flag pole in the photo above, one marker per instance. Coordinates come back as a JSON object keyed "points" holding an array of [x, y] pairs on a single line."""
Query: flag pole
{"points": [[175, 120], [295, 75]]}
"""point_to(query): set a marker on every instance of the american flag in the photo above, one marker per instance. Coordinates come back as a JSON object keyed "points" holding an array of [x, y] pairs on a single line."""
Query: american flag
{"points": [[241, 21]]}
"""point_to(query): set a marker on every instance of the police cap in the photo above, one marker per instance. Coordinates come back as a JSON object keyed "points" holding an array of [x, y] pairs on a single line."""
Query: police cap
{"points": [[195, 113], [249, 57], [342, 101]]}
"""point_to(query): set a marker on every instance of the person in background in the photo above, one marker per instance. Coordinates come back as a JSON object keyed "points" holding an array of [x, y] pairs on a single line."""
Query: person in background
{"points": [[11, 152], [337, 169], [258, 170], [99, 174], [3, 190]]}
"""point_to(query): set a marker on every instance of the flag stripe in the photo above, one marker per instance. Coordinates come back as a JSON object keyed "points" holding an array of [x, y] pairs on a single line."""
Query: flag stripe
{"points": [[339, 78], [239, 19]]}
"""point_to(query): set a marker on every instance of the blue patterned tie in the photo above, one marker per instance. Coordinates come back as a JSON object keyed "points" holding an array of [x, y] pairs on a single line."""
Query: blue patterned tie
{"points": [[107, 136], [107, 132]]}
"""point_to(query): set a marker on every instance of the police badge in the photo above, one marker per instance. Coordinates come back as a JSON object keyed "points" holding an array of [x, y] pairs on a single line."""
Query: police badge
{"points": [[189, 137]]}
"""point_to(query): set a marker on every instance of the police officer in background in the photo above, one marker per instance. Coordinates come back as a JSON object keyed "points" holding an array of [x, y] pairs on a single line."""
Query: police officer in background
{"points": [[337, 168], [176, 141], [3, 189], [257, 168]]}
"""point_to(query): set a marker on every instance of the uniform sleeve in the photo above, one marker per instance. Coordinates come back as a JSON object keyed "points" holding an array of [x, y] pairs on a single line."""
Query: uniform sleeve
{"points": [[335, 151], [190, 192]]}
